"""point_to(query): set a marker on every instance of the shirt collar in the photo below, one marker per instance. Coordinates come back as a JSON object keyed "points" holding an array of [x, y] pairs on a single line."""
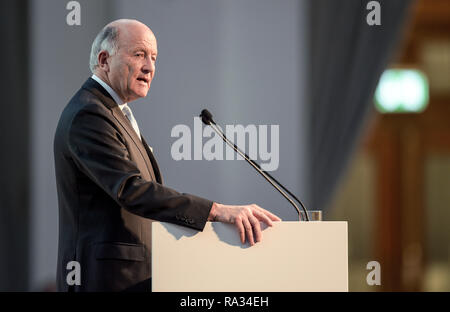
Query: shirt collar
{"points": [[110, 90]]}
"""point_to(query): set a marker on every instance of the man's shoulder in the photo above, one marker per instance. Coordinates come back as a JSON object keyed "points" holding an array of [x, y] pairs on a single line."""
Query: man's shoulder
{"points": [[84, 102], [87, 98], [90, 95]]}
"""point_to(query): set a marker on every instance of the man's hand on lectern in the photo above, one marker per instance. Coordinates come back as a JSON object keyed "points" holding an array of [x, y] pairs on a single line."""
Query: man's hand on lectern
{"points": [[246, 218]]}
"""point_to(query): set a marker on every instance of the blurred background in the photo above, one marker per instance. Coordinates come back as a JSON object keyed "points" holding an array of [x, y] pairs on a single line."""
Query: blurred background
{"points": [[360, 90]]}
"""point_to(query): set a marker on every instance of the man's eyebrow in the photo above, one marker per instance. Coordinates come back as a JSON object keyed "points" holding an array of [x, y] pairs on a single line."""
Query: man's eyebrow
{"points": [[140, 49]]}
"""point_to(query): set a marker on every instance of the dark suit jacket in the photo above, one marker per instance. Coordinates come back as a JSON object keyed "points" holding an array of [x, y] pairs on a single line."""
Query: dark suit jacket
{"points": [[109, 189]]}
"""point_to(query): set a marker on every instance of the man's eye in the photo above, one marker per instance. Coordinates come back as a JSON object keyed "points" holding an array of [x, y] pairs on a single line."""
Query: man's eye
{"points": [[140, 54]]}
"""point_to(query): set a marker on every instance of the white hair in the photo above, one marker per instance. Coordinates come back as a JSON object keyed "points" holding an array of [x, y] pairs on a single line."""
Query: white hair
{"points": [[106, 40]]}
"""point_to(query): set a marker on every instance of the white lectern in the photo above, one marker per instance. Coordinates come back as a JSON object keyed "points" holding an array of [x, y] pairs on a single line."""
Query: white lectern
{"points": [[293, 256]]}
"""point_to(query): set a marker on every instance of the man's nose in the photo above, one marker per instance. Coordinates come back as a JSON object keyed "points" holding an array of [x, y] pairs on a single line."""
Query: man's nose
{"points": [[149, 66]]}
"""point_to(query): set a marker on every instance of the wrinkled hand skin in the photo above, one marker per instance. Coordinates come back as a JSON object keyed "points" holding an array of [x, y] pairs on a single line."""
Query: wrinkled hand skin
{"points": [[246, 218]]}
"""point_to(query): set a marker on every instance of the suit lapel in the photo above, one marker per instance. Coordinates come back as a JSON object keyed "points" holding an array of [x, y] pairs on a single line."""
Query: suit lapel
{"points": [[156, 170], [125, 123], [94, 87]]}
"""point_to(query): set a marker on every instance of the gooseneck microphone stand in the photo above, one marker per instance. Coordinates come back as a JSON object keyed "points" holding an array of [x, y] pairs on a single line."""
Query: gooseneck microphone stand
{"points": [[207, 119]]}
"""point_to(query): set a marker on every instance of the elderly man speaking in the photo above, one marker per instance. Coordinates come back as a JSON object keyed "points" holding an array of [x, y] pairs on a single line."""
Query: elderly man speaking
{"points": [[109, 183]]}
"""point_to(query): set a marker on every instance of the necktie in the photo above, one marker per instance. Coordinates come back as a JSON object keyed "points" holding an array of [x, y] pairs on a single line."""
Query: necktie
{"points": [[127, 112]]}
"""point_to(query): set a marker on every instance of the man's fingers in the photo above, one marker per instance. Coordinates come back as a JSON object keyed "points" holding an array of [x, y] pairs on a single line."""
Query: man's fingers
{"points": [[272, 216], [247, 221], [262, 217], [248, 230], [275, 218], [256, 228], [269, 214], [241, 230]]}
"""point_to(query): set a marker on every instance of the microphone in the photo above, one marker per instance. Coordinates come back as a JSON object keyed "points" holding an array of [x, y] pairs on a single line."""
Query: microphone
{"points": [[207, 119]]}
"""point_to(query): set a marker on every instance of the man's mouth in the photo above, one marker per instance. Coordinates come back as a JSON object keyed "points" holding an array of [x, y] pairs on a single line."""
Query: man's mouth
{"points": [[143, 79]]}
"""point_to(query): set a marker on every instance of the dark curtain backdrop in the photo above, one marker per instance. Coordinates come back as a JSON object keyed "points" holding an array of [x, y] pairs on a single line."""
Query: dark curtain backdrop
{"points": [[347, 59], [14, 142]]}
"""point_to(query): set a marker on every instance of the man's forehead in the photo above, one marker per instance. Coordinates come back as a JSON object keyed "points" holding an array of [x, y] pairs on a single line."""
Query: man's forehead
{"points": [[144, 44], [138, 39]]}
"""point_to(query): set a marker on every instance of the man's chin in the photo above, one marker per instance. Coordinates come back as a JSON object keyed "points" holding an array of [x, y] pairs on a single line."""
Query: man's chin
{"points": [[140, 94]]}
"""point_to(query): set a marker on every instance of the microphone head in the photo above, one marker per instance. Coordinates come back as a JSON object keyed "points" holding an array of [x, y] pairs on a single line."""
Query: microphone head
{"points": [[206, 117]]}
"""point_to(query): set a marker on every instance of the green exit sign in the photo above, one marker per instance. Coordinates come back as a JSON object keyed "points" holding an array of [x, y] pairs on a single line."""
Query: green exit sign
{"points": [[402, 91]]}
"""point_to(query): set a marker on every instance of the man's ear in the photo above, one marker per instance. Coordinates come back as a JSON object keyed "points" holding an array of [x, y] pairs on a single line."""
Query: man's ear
{"points": [[102, 60]]}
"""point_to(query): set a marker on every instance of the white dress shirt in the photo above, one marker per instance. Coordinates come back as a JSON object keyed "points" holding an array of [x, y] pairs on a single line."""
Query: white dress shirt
{"points": [[111, 92], [127, 113]]}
